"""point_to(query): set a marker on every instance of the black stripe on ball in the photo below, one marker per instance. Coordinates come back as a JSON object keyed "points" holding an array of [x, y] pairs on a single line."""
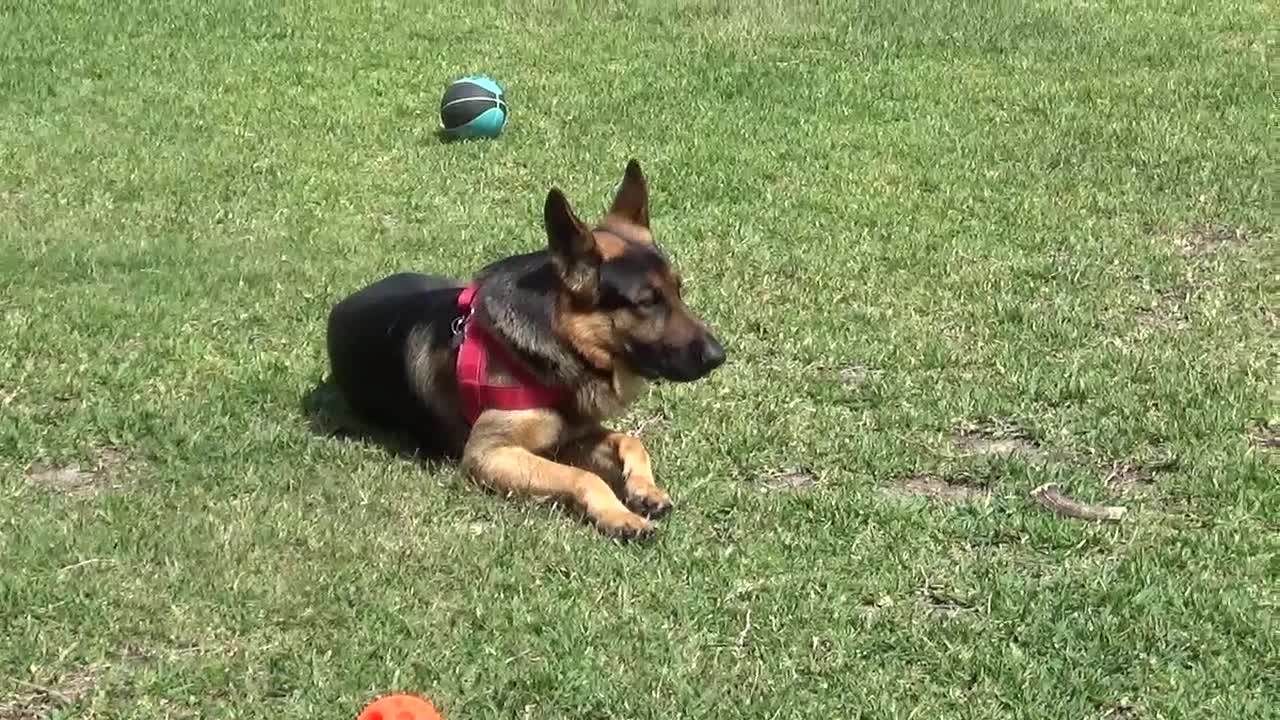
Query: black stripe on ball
{"points": [[464, 102]]}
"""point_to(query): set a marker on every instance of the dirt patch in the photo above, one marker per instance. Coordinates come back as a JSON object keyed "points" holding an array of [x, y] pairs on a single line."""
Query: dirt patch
{"points": [[1121, 711], [40, 698], [108, 472], [941, 601], [1171, 310], [853, 377], [821, 648], [1139, 474], [1126, 478], [643, 425], [1201, 239], [938, 488], [877, 604], [1270, 318], [479, 527], [995, 437], [1265, 436], [870, 610], [788, 479], [174, 650], [1244, 42]]}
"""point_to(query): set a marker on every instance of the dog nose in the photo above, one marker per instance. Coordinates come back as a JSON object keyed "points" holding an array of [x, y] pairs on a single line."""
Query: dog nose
{"points": [[712, 354]]}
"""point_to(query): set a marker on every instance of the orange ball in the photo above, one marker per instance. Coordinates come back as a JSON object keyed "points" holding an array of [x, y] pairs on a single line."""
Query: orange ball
{"points": [[400, 707]]}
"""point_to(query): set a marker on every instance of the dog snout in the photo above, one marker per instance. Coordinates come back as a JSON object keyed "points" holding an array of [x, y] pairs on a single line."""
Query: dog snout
{"points": [[712, 354], [681, 363]]}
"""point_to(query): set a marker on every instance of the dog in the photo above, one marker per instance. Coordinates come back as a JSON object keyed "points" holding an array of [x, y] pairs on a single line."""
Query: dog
{"points": [[515, 373]]}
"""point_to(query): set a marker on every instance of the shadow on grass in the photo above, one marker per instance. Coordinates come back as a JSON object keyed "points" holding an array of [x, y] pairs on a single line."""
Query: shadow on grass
{"points": [[329, 415], [445, 138]]}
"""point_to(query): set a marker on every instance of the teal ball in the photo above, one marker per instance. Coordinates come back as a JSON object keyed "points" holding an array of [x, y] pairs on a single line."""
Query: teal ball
{"points": [[473, 106]]}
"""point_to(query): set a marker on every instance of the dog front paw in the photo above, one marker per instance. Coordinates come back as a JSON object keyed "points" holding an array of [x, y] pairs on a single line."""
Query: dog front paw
{"points": [[649, 500], [625, 525]]}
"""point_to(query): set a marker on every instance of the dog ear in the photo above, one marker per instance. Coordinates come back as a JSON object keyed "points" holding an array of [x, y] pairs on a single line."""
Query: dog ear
{"points": [[573, 248], [632, 201]]}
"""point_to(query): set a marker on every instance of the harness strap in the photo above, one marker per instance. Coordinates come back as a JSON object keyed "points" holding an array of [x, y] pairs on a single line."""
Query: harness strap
{"points": [[477, 394]]}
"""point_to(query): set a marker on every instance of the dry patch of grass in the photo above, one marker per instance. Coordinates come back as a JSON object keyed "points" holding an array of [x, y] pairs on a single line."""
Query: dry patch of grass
{"points": [[853, 377], [1265, 436], [1270, 317], [1202, 239], [938, 488], [1126, 478], [646, 424], [788, 479], [42, 697], [1171, 310], [108, 471], [1122, 711], [995, 437], [942, 602]]}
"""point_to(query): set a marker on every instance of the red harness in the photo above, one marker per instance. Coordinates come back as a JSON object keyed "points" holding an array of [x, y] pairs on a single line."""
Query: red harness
{"points": [[478, 395]]}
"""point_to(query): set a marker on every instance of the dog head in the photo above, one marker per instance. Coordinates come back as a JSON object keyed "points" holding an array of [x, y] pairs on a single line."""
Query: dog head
{"points": [[620, 296]]}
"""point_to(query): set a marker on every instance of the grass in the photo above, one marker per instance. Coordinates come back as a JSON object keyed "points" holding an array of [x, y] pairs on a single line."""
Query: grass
{"points": [[1047, 226]]}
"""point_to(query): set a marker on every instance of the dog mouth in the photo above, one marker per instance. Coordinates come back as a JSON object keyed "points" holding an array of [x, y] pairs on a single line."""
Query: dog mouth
{"points": [[645, 371], [686, 363]]}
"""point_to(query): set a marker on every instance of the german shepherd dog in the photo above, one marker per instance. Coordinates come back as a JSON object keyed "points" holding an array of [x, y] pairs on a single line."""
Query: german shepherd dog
{"points": [[587, 322]]}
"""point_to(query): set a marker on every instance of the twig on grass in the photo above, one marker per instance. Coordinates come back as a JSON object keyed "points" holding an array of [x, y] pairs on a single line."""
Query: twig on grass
{"points": [[1050, 496]]}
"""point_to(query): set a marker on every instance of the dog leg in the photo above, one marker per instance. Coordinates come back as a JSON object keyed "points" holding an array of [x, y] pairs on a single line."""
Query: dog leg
{"points": [[502, 455], [643, 493], [624, 458]]}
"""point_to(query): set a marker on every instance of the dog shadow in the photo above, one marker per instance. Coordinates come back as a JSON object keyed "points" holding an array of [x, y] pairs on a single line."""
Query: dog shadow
{"points": [[328, 415]]}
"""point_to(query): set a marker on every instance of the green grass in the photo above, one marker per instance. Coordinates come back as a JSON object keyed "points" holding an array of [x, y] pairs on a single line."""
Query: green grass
{"points": [[903, 222]]}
